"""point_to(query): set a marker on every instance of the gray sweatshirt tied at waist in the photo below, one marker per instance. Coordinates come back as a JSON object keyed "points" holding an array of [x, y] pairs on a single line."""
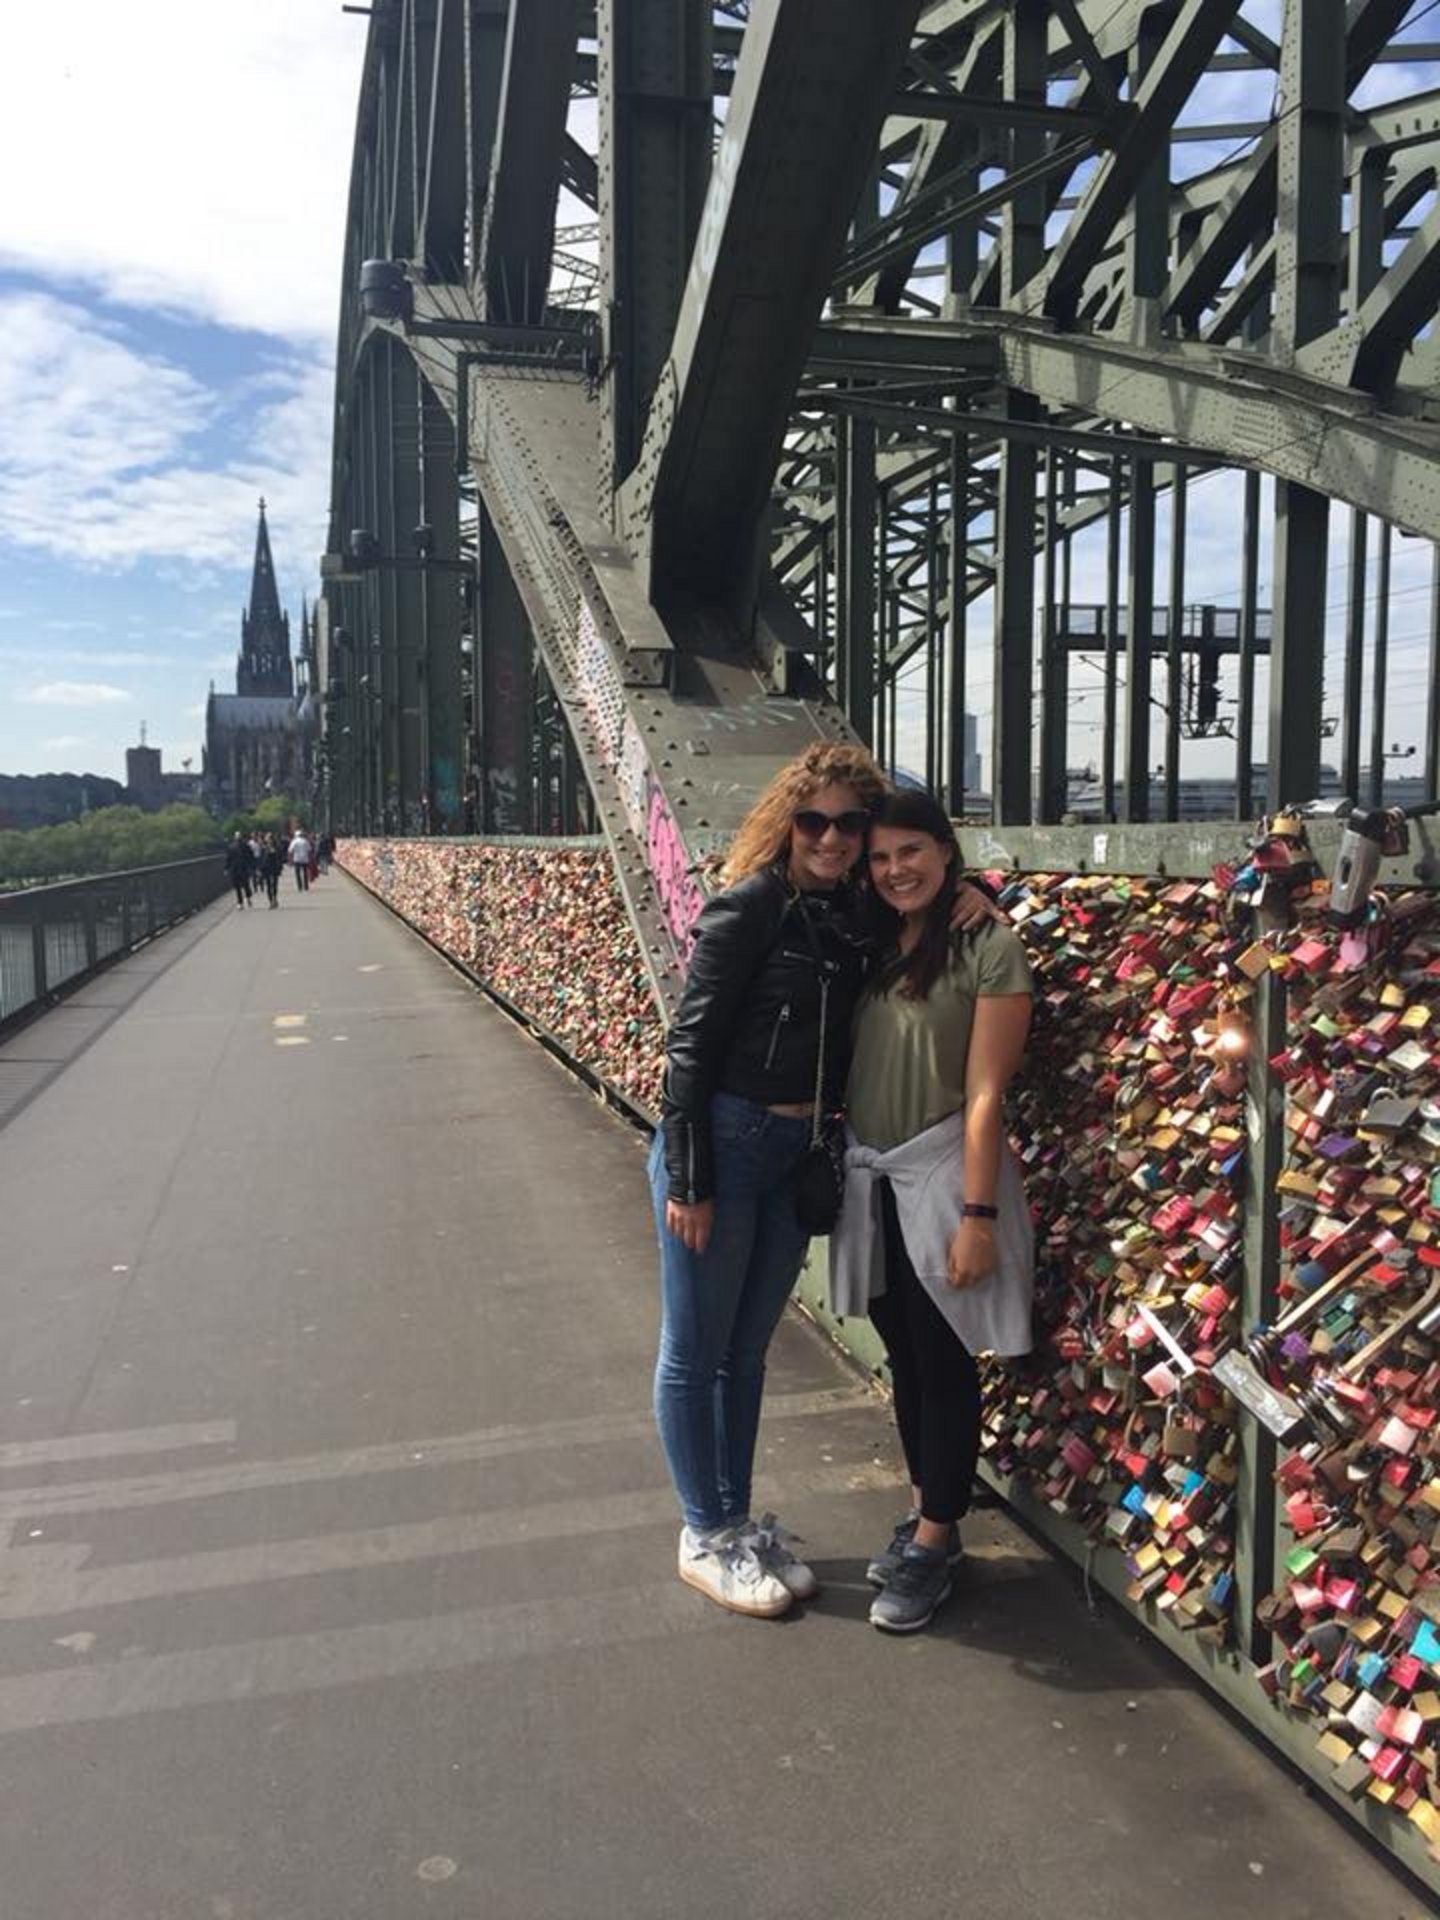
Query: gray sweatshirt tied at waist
{"points": [[927, 1175]]}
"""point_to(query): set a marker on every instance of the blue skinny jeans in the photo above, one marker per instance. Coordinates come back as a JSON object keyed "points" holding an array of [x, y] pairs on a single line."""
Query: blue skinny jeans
{"points": [[719, 1308]]}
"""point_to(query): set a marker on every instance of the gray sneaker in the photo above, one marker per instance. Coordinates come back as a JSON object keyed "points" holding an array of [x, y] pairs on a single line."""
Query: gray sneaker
{"points": [[918, 1586], [881, 1568]]}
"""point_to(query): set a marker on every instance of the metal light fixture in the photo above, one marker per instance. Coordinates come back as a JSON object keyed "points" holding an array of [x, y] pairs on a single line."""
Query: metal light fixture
{"points": [[385, 291]]}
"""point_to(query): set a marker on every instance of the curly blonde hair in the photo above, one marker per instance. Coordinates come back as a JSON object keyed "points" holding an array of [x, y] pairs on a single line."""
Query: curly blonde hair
{"points": [[763, 836]]}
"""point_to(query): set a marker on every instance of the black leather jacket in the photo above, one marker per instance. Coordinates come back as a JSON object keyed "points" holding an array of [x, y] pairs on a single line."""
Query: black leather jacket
{"points": [[749, 1018]]}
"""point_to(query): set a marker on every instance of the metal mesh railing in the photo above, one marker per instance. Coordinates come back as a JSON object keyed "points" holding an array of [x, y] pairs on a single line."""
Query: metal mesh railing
{"points": [[53, 937]]}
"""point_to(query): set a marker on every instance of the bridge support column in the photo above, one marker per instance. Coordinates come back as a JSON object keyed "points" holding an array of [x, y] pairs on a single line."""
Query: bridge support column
{"points": [[1309, 263], [857, 513], [1013, 729], [443, 618], [655, 118], [1024, 254], [504, 675], [408, 592]]}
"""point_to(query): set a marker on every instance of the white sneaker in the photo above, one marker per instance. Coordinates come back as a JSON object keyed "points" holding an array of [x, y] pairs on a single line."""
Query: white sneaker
{"points": [[728, 1569], [772, 1544]]}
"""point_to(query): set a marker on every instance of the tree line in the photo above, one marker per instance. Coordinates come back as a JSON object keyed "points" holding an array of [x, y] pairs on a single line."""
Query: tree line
{"points": [[112, 839]]}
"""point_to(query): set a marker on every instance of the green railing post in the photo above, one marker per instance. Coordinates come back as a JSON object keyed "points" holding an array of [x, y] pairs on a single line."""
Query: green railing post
{"points": [[1259, 1299], [90, 931], [37, 938]]}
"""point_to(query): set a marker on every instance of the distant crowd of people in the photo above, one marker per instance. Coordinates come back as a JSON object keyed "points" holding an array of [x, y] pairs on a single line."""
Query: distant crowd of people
{"points": [[257, 860]]}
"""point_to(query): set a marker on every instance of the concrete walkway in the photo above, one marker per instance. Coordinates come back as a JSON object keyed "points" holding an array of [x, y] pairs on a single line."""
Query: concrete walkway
{"points": [[336, 1551]]}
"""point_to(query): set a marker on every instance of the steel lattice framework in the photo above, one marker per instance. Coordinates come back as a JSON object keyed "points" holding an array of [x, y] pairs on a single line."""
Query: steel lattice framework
{"points": [[727, 376]]}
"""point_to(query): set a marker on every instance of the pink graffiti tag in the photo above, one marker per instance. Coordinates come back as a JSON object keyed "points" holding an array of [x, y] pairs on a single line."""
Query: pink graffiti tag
{"points": [[681, 895]]}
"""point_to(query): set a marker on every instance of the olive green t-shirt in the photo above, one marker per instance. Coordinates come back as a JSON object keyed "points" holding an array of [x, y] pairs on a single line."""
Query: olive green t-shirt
{"points": [[907, 1070]]}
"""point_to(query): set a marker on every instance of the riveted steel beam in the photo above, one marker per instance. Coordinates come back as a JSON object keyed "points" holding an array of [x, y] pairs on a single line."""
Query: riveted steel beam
{"points": [[519, 229], [445, 173], [442, 610], [655, 139], [1169, 77], [810, 95], [1234, 405], [1249, 206], [1309, 272]]}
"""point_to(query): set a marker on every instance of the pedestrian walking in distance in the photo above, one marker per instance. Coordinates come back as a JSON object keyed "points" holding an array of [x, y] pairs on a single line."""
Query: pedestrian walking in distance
{"points": [[272, 860], [300, 859], [240, 868]]}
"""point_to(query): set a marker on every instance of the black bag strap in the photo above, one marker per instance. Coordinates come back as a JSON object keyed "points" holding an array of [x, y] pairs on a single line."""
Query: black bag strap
{"points": [[824, 971]]}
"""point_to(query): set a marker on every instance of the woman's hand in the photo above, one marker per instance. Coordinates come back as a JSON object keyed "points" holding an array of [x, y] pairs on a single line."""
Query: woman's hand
{"points": [[971, 909], [972, 1255], [690, 1225]]}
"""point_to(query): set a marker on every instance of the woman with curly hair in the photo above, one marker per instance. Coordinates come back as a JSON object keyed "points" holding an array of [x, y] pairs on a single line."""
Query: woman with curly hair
{"points": [[742, 1060]]}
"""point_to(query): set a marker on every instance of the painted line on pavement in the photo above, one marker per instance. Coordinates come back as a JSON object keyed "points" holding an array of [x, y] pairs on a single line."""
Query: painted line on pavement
{"points": [[349, 1656], [203, 1483], [110, 1446], [45, 1582]]}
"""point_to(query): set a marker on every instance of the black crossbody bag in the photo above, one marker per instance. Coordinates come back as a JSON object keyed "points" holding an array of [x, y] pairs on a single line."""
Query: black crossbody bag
{"points": [[819, 1177]]}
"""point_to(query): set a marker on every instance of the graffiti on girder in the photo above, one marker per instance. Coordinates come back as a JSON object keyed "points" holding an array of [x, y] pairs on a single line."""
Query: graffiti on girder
{"points": [[633, 774], [678, 888]]}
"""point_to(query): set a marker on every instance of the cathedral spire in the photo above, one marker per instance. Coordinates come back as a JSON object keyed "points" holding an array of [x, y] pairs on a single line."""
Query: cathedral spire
{"points": [[264, 665], [264, 595]]}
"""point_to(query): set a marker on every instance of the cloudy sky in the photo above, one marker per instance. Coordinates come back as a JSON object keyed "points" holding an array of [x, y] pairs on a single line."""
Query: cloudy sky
{"points": [[170, 237]]}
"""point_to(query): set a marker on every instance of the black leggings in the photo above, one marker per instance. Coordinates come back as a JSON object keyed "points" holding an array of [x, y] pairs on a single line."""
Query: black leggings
{"points": [[936, 1381]]}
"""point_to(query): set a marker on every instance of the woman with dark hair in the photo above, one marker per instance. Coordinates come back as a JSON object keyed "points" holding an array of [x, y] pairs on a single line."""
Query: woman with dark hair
{"points": [[934, 1239], [744, 1056]]}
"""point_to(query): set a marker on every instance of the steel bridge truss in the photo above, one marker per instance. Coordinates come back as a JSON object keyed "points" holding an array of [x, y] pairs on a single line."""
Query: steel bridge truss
{"points": [[727, 377]]}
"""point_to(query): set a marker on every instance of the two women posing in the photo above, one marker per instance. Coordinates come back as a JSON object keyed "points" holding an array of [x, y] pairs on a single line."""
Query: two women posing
{"points": [[926, 1008]]}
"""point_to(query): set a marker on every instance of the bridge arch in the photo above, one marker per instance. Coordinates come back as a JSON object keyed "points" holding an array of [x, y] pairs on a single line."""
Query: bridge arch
{"points": [[872, 333]]}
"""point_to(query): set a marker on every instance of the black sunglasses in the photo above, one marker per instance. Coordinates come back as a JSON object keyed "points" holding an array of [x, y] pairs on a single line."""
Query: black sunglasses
{"points": [[813, 823]]}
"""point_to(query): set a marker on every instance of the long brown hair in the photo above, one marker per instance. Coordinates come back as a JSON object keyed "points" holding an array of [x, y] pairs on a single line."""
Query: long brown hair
{"points": [[763, 836], [916, 972]]}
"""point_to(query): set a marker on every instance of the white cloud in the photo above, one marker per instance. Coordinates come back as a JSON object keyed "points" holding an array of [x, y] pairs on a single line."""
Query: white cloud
{"points": [[62, 742], [87, 656], [252, 173], [101, 465], [74, 693]]}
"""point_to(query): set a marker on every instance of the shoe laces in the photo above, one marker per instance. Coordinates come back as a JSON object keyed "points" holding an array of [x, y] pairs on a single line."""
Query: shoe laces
{"points": [[904, 1532], [772, 1542], [915, 1571], [738, 1554]]}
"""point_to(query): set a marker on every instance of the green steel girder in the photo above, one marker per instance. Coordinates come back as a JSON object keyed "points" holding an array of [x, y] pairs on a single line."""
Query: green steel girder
{"points": [[1227, 404], [809, 101], [519, 229], [726, 355], [1195, 33], [655, 65]]}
